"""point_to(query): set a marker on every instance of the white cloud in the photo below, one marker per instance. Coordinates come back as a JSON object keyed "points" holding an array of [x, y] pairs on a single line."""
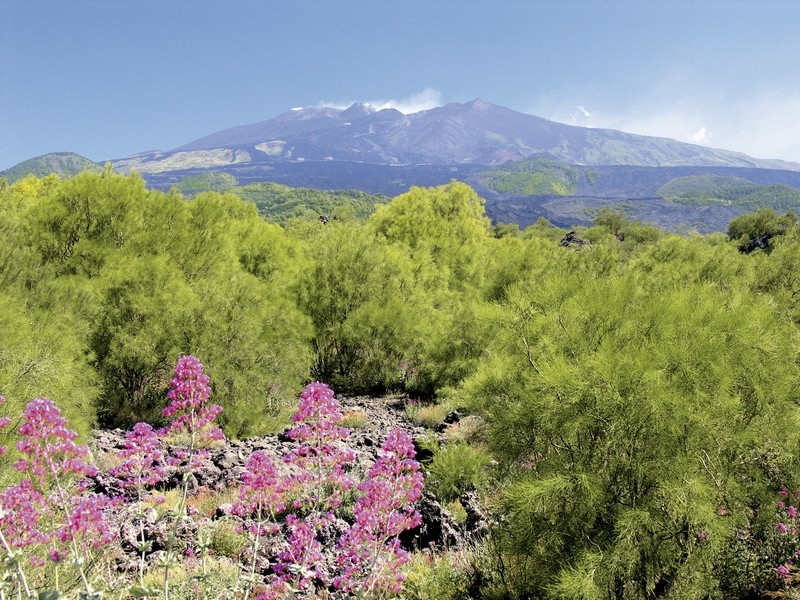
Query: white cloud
{"points": [[424, 100], [700, 136], [339, 105], [764, 124], [767, 124]]}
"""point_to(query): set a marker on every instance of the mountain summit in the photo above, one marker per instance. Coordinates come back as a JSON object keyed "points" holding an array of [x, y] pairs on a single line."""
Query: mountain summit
{"points": [[472, 133], [525, 167]]}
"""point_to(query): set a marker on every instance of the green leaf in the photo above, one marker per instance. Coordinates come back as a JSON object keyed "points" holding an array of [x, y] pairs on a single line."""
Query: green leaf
{"points": [[52, 595], [138, 591]]}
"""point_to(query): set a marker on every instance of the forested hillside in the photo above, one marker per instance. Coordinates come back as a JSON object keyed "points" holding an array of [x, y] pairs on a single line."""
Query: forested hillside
{"points": [[635, 392], [280, 203]]}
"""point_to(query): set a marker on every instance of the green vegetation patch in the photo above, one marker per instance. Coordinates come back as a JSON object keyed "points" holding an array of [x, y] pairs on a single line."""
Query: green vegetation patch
{"points": [[535, 177], [211, 181], [280, 203], [713, 190], [630, 403]]}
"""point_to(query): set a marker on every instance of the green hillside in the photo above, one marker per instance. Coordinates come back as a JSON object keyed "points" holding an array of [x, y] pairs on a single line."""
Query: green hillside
{"points": [[713, 190], [533, 177], [209, 181], [63, 164], [279, 203]]}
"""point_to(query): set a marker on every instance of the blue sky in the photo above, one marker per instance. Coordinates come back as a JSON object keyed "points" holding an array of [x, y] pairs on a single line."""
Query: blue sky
{"points": [[110, 78]]}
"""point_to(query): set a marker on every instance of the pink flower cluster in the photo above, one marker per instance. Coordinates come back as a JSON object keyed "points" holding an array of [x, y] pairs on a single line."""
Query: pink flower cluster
{"points": [[302, 563], [369, 556], [261, 484], [143, 459], [188, 409], [321, 455], [787, 526], [87, 518], [49, 445], [23, 506], [52, 504], [261, 494], [190, 412]]}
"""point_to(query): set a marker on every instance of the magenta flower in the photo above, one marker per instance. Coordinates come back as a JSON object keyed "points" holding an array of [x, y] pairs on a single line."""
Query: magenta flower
{"points": [[190, 412], [87, 521], [49, 445], [52, 457], [321, 456], [303, 561], [51, 505], [262, 487], [791, 510], [783, 572], [393, 485], [143, 458], [371, 557], [4, 422], [142, 466], [781, 528], [23, 506], [189, 409]]}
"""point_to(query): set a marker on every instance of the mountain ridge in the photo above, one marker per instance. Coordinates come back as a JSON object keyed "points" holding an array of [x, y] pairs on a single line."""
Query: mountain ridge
{"points": [[471, 133], [475, 132], [524, 166]]}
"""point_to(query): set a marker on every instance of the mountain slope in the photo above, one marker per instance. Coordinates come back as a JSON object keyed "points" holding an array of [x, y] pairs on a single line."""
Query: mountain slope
{"points": [[524, 166], [677, 198], [474, 133]]}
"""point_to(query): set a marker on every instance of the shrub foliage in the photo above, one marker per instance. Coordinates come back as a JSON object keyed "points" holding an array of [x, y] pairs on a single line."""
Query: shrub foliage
{"points": [[638, 389]]}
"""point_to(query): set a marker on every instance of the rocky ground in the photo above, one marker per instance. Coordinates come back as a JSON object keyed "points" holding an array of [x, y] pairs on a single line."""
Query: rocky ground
{"points": [[219, 474]]}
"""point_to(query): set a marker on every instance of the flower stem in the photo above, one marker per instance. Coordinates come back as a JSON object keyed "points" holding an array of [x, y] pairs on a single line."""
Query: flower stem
{"points": [[179, 509], [62, 501], [20, 572]]}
